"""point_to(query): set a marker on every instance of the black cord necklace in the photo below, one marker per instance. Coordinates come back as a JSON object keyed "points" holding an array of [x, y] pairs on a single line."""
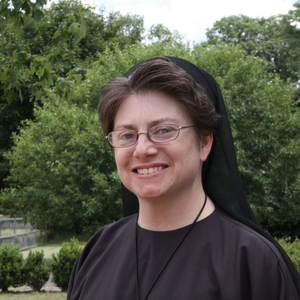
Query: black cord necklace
{"points": [[163, 268]]}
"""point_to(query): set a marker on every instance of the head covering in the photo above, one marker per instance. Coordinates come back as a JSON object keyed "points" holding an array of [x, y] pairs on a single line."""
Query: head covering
{"points": [[220, 176]]}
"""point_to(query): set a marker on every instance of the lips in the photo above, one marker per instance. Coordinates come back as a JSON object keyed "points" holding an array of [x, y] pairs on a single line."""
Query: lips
{"points": [[147, 171]]}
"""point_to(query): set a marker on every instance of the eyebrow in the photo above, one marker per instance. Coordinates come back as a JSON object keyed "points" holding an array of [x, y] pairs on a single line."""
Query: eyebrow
{"points": [[152, 123]]}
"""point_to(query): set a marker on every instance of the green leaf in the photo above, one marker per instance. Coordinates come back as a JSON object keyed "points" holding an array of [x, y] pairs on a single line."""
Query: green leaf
{"points": [[15, 56], [27, 74], [47, 77], [72, 18], [56, 34], [27, 20], [21, 95], [40, 72], [10, 96], [38, 15], [38, 58], [22, 56], [32, 68]]}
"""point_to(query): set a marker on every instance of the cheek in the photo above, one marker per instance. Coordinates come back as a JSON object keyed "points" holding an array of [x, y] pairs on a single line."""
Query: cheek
{"points": [[190, 156], [191, 146], [119, 162], [122, 159]]}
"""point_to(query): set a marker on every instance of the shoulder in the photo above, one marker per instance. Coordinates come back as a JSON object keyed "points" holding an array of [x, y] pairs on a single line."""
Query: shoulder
{"points": [[256, 254], [242, 243], [256, 261], [239, 231]]}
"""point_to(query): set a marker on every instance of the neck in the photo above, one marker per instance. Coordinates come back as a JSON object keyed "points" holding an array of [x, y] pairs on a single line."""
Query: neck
{"points": [[170, 214]]}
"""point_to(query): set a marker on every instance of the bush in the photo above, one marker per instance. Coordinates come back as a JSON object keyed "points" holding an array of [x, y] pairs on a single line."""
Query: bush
{"points": [[11, 261], [64, 261], [35, 270], [57, 186], [292, 249]]}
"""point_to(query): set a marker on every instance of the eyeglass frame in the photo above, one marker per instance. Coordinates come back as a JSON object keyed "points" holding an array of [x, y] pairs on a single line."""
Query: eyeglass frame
{"points": [[147, 132]]}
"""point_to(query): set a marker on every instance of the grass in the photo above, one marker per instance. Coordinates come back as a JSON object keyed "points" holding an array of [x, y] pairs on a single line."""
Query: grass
{"points": [[34, 296], [49, 249]]}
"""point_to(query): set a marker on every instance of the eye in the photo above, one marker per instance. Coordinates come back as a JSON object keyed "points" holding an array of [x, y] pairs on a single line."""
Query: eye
{"points": [[127, 135], [164, 130]]}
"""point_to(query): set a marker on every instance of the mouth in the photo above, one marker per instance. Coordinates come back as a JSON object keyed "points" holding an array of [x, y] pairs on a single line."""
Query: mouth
{"points": [[149, 170]]}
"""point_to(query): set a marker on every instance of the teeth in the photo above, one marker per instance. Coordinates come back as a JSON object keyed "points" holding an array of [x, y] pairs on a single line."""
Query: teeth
{"points": [[149, 171]]}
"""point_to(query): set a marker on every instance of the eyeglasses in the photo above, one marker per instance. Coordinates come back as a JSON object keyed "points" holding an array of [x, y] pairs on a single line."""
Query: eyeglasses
{"points": [[158, 134]]}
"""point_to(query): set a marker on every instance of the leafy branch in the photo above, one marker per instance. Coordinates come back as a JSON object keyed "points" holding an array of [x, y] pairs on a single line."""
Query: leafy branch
{"points": [[35, 71]]}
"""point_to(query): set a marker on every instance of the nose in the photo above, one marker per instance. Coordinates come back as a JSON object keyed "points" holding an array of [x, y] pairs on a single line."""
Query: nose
{"points": [[144, 146]]}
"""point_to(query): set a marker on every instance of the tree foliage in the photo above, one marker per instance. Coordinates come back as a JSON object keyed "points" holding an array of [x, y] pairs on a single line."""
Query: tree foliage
{"points": [[266, 129], [11, 261], [63, 174], [39, 44], [292, 248], [64, 261], [20, 67], [161, 34], [50, 47], [275, 39], [291, 27], [10, 118], [35, 270]]}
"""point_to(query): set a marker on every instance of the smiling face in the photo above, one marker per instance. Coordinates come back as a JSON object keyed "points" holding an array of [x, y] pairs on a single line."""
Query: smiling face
{"points": [[158, 170]]}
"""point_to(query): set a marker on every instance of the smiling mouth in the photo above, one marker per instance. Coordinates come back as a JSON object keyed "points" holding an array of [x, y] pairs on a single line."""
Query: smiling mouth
{"points": [[149, 171]]}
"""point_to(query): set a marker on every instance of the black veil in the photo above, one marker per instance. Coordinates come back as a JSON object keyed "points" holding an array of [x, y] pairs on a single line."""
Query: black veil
{"points": [[221, 180]]}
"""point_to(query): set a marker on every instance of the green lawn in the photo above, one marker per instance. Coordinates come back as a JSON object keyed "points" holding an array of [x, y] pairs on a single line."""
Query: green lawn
{"points": [[49, 249], [34, 296]]}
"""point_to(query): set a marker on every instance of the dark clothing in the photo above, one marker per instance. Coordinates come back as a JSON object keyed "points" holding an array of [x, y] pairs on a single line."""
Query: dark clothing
{"points": [[220, 259]]}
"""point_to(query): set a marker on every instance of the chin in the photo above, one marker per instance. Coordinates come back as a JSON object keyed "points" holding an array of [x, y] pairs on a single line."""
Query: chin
{"points": [[149, 194]]}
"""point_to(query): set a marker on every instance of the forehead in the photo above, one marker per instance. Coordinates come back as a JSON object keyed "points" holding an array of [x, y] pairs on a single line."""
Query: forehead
{"points": [[149, 109]]}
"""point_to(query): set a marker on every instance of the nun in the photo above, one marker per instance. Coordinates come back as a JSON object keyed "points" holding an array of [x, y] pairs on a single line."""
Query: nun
{"points": [[188, 231]]}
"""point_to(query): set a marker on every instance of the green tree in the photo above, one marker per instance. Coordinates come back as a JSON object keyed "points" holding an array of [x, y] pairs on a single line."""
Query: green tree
{"points": [[266, 129], [63, 173], [261, 37], [160, 32], [52, 48], [123, 30], [291, 27], [10, 118], [40, 45], [22, 68], [27, 60]]}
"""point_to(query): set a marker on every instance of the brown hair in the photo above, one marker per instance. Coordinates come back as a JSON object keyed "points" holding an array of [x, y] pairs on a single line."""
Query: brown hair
{"points": [[158, 74]]}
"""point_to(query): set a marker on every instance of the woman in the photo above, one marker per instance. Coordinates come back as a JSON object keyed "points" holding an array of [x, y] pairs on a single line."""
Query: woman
{"points": [[192, 234]]}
